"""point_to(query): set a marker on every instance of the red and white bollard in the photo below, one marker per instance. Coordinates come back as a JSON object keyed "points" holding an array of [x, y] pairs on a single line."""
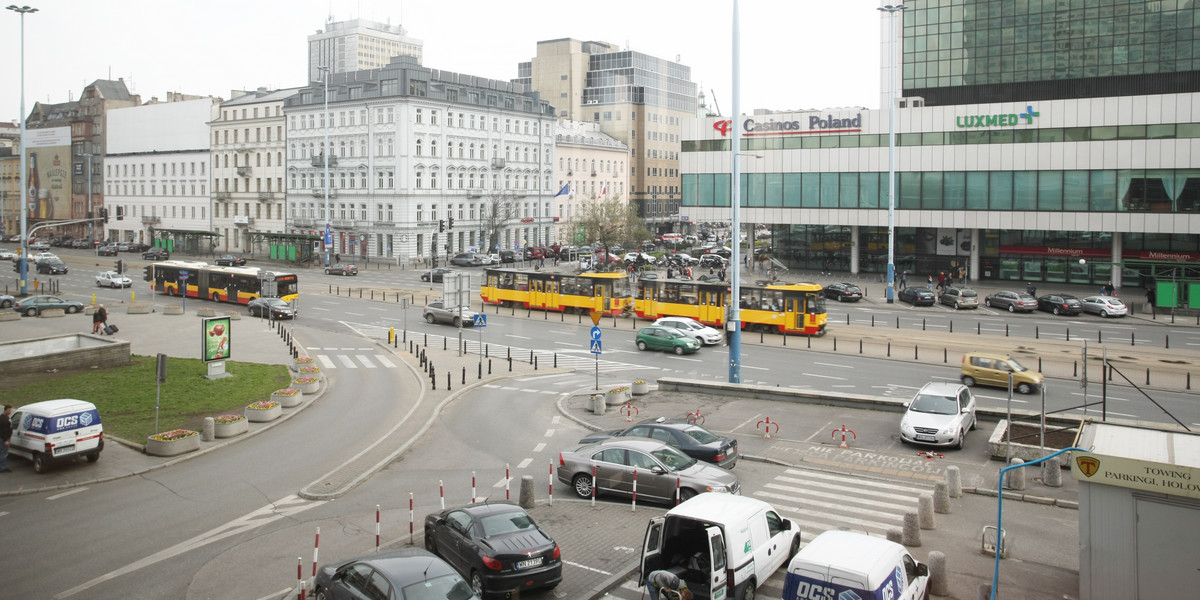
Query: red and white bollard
{"points": [[442, 493], [695, 418], [677, 484], [377, 528], [634, 506], [472, 487], [629, 409], [300, 577], [844, 431], [316, 547], [507, 478], [411, 516], [766, 427], [551, 480]]}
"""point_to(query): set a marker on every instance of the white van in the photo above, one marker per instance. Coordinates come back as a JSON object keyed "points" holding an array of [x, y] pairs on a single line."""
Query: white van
{"points": [[56, 430], [722, 545], [844, 564]]}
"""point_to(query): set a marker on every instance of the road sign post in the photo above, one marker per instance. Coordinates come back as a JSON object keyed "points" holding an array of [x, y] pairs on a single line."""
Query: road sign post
{"points": [[480, 323], [595, 345]]}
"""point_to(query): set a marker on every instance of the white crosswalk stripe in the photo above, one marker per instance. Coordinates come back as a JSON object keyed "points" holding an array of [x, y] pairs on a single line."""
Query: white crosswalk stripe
{"points": [[346, 362], [368, 361], [365, 360]]}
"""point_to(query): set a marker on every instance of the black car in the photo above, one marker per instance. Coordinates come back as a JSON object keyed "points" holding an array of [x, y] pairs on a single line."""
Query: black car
{"points": [[156, 254], [274, 308], [689, 438], [1060, 304], [109, 250], [341, 269], [843, 292], [229, 260], [436, 275], [466, 259], [508, 256], [407, 574], [52, 267], [917, 296], [497, 547]]}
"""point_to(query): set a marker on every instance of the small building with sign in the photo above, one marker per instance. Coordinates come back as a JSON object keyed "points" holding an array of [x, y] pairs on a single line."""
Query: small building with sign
{"points": [[1139, 512]]}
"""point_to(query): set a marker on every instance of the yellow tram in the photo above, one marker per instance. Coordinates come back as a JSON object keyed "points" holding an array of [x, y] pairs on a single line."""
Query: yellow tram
{"points": [[547, 289]]}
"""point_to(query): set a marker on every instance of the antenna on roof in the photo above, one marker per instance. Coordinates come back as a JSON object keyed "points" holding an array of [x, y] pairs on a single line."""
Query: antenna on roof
{"points": [[714, 99]]}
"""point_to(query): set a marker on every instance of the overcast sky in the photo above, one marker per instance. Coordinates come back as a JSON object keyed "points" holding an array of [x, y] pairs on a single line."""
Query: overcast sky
{"points": [[795, 53]]}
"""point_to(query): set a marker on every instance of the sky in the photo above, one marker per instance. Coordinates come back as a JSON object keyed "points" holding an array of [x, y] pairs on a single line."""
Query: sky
{"points": [[795, 54]]}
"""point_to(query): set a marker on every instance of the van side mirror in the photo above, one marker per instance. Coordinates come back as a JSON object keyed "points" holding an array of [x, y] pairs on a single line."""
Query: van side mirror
{"points": [[922, 570]]}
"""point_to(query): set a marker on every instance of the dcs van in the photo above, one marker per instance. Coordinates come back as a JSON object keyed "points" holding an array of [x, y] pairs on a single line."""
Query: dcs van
{"points": [[55, 431]]}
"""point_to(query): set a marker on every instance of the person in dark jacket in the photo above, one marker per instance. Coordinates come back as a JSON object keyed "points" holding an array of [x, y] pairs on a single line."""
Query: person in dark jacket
{"points": [[6, 431], [99, 320], [668, 584]]}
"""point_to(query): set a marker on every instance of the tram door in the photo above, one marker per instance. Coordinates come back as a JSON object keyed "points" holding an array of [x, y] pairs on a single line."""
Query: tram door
{"points": [[602, 298], [649, 299], [537, 298], [793, 313], [712, 306], [551, 298]]}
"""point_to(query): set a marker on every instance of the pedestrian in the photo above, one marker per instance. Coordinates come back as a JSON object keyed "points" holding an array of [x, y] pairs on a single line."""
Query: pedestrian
{"points": [[1152, 299], [1031, 289], [1108, 289], [689, 272], [99, 319], [668, 584], [826, 270], [337, 258], [722, 273], [669, 273], [929, 281], [5, 435], [903, 280], [941, 280]]}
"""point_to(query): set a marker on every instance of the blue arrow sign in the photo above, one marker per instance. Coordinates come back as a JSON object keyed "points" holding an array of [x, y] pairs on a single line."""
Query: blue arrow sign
{"points": [[596, 333], [481, 320], [595, 346]]}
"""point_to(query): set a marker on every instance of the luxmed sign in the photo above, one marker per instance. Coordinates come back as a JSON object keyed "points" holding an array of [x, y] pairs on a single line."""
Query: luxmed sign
{"points": [[997, 120], [813, 124]]}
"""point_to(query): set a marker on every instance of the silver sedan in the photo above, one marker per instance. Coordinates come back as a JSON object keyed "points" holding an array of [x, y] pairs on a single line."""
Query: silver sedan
{"points": [[1105, 306], [660, 470]]}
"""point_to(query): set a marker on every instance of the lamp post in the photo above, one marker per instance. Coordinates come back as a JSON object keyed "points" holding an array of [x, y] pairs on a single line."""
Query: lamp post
{"points": [[23, 260], [325, 157], [91, 223], [733, 326], [891, 10]]}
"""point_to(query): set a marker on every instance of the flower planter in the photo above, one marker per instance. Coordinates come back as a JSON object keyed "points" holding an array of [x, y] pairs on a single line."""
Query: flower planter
{"points": [[206, 312], [231, 428], [263, 415], [615, 397], [172, 310], [173, 447], [291, 400], [640, 388], [303, 361], [307, 385]]}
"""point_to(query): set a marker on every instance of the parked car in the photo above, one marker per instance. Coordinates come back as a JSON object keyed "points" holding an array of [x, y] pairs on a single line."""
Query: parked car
{"points": [[7, 254], [993, 369], [229, 260], [341, 269], [702, 333], [438, 311], [666, 338], [34, 305], [1013, 301], [659, 467], [57, 431], [689, 438], [638, 258], [7, 300], [917, 296], [124, 247], [939, 415], [681, 259], [82, 243], [274, 308], [52, 267], [1060, 304], [405, 574], [508, 256], [156, 254], [107, 250], [497, 546], [40, 256], [39, 245], [466, 259], [713, 261], [843, 292], [959, 298], [1105, 306], [436, 275], [113, 279]]}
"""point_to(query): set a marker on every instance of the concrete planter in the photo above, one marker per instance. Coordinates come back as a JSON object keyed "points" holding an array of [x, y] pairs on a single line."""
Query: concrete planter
{"points": [[305, 386], [616, 397], [297, 364], [206, 312], [289, 400], [139, 309], [174, 447], [640, 388], [89, 310], [264, 415], [9, 315], [172, 310], [1025, 452], [51, 313], [233, 315], [230, 429], [598, 404]]}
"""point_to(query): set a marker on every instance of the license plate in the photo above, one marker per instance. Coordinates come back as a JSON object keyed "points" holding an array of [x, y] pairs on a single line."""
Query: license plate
{"points": [[533, 562], [64, 449], [926, 438]]}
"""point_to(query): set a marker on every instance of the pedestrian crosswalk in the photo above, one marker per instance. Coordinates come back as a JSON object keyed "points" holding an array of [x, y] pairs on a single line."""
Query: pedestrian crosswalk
{"points": [[819, 501], [351, 358]]}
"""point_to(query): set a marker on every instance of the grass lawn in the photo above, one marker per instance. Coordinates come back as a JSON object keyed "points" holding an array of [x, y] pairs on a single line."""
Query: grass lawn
{"points": [[125, 396]]}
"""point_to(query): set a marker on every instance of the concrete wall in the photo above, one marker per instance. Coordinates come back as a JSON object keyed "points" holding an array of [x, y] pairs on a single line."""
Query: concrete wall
{"points": [[70, 351]]}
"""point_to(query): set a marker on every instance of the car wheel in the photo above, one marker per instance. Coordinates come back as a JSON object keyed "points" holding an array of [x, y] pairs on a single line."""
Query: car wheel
{"points": [[1012, 308], [1055, 311], [748, 591], [641, 345], [686, 494], [31, 312], [955, 305], [987, 302], [968, 381], [962, 437], [430, 543], [216, 297], [582, 485], [457, 322], [72, 310], [679, 350], [1024, 388], [795, 549], [429, 318], [326, 271], [39, 463], [477, 583], [6, 304], [98, 284], [322, 594], [974, 423], [1103, 314], [93, 457], [841, 298]]}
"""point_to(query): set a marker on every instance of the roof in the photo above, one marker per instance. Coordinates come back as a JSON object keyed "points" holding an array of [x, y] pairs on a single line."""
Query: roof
{"points": [[1171, 447], [942, 388], [719, 508], [849, 552], [408, 565], [53, 406], [108, 88]]}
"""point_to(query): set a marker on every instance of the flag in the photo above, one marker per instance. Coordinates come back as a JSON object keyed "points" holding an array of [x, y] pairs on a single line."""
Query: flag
{"points": [[603, 191], [566, 189]]}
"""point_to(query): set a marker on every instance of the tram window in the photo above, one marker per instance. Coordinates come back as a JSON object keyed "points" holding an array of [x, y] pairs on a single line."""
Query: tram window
{"points": [[689, 299]]}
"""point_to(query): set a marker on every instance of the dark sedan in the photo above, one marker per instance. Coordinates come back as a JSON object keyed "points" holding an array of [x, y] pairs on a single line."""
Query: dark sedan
{"points": [[52, 267], [497, 547], [274, 308], [109, 250], [341, 269], [1060, 304], [689, 438], [32, 306], [156, 254], [843, 292], [917, 296], [229, 260], [436, 275], [407, 574]]}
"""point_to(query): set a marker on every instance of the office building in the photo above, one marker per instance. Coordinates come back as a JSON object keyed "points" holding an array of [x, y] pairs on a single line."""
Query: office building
{"points": [[357, 45]]}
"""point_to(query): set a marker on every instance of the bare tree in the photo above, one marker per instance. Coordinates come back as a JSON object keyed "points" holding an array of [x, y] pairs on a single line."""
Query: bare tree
{"points": [[498, 209], [609, 222]]}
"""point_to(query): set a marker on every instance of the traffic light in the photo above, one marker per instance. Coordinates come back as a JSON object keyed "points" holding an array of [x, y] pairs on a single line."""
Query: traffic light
{"points": [[104, 214], [450, 224], [441, 224], [120, 267]]}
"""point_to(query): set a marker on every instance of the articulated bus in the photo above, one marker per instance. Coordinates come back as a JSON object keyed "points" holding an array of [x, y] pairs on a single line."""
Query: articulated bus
{"points": [[239, 285], [559, 291]]}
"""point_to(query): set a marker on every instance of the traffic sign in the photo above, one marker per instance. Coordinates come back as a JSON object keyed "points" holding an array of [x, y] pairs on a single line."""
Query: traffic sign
{"points": [[595, 346], [595, 333], [481, 320], [596, 317]]}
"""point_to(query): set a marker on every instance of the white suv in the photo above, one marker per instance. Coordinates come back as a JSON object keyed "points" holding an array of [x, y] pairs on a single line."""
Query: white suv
{"points": [[692, 328], [113, 280], [939, 415]]}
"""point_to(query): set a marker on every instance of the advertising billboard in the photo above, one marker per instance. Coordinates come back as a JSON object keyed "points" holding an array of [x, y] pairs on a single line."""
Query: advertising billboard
{"points": [[48, 161], [217, 344]]}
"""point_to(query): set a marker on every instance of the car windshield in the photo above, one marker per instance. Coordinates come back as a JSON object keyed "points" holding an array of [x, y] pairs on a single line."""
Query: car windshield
{"points": [[509, 522], [701, 435], [275, 302], [934, 404], [969, 293], [1115, 302], [446, 587], [673, 459]]}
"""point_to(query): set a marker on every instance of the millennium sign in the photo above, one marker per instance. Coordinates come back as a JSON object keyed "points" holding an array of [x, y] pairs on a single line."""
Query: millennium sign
{"points": [[997, 120]]}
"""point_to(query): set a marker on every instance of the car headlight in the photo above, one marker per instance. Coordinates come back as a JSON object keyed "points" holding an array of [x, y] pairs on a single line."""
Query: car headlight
{"points": [[720, 489]]}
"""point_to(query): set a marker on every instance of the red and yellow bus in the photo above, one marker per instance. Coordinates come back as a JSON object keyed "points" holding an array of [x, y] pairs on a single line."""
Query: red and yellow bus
{"points": [[238, 285]]}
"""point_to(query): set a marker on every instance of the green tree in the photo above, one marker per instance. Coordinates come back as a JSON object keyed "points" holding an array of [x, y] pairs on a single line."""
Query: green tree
{"points": [[608, 222]]}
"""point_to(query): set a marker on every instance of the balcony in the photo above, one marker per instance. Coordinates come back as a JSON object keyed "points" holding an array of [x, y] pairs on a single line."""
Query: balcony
{"points": [[320, 192], [153, 220], [497, 163], [221, 196], [303, 221], [242, 220], [593, 173], [243, 171], [265, 196], [319, 160]]}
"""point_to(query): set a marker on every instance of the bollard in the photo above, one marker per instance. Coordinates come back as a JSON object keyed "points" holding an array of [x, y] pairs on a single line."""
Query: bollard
{"points": [[922, 324], [760, 337], [860, 345], [447, 380], [489, 366], [951, 326], [872, 320], [1037, 332], [1006, 330], [464, 379], [835, 344], [916, 352], [912, 530], [208, 431], [526, 496], [1147, 375], [531, 357], [535, 360], [480, 370], [847, 318], [1051, 473], [939, 584], [510, 364], [925, 511], [954, 481], [945, 355], [555, 360], [889, 349], [941, 498], [1015, 478], [1131, 338], [978, 328], [897, 322], [895, 535]]}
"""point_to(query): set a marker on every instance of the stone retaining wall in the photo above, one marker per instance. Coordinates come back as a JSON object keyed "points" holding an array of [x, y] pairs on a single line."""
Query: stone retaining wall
{"points": [[70, 351]]}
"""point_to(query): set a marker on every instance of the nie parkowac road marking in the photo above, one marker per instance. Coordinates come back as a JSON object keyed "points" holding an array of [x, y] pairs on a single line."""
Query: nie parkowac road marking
{"points": [[284, 507], [913, 464]]}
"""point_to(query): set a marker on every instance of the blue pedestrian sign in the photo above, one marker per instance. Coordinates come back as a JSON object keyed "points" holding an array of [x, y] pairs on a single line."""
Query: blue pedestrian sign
{"points": [[596, 333], [595, 346], [328, 234], [481, 320]]}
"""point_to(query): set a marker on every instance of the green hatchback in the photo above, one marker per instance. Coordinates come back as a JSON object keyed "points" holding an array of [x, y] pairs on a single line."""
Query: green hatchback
{"points": [[664, 338]]}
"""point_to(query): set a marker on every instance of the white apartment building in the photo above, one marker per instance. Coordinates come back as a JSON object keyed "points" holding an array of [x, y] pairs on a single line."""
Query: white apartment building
{"points": [[417, 158], [248, 169], [591, 164], [156, 171], [357, 45]]}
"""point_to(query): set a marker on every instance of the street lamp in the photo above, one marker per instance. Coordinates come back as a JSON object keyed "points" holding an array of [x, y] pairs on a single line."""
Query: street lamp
{"points": [[23, 261], [91, 223], [733, 325], [325, 157], [891, 10]]}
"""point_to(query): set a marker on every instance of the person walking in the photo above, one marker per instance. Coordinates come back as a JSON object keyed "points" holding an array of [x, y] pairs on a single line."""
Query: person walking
{"points": [[668, 584], [6, 431], [99, 320], [903, 280], [929, 282], [1152, 299], [941, 280], [1031, 289]]}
